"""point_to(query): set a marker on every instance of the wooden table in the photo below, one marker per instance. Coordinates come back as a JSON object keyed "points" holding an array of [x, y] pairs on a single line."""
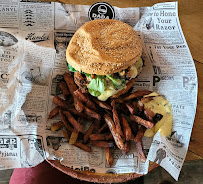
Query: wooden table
{"points": [[191, 15]]}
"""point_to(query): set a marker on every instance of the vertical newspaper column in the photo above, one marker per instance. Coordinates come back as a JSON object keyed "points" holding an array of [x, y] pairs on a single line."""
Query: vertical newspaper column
{"points": [[36, 24], [174, 76], [10, 58]]}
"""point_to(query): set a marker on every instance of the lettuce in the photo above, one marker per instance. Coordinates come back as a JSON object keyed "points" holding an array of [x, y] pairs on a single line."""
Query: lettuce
{"points": [[97, 85], [117, 83], [71, 69]]}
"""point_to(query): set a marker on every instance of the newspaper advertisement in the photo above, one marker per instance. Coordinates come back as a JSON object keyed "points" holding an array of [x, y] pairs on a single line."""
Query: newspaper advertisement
{"points": [[33, 41]]}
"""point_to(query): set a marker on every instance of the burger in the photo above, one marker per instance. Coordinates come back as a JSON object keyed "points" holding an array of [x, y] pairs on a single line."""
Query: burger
{"points": [[105, 55]]}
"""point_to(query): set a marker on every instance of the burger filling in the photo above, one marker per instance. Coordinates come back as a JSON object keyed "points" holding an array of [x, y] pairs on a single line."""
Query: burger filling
{"points": [[104, 86]]}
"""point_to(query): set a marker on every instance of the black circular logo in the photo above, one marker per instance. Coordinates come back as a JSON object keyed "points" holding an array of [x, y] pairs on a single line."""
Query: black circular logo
{"points": [[101, 10]]}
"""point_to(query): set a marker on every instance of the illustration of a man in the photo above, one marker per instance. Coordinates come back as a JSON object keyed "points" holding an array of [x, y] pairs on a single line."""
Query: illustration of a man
{"points": [[160, 155], [30, 155]]}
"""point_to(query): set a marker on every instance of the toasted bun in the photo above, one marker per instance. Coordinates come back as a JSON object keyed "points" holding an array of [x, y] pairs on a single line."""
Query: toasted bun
{"points": [[103, 47]]}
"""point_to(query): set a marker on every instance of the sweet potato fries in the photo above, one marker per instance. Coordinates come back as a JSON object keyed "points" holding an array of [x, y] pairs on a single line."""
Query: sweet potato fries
{"points": [[116, 122]]}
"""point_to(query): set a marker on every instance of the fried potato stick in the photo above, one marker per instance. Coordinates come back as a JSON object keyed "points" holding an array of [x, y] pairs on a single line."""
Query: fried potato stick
{"points": [[91, 113], [101, 137], [54, 112], [116, 135], [84, 98], [60, 102], [123, 91], [77, 144], [73, 87], [89, 132], [80, 114], [140, 151], [64, 89], [70, 82], [139, 120], [109, 157], [131, 108], [66, 123], [126, 128], [134, 128], [140, 134], [73, 137], [57, 126], [137, 94], [103, 105], [73, 121], [149, 114], [96, 125], [102, 128], [116, 119], [127, 148]]}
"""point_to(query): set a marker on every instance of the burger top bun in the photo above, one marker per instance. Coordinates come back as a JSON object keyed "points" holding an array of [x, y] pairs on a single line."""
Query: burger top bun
{"points": [[103, 47]]}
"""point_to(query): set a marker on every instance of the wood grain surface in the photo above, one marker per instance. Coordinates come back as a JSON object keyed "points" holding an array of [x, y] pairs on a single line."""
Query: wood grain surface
{"points": [[191, 16]]}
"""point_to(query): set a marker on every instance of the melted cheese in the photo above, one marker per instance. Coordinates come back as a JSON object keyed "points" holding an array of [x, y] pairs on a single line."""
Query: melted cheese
{"points": [[160, 105], [110, 90], [107, 93]]}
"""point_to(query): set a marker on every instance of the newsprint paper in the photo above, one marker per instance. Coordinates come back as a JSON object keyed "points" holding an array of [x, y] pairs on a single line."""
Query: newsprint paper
{"points": [[33, 40]]}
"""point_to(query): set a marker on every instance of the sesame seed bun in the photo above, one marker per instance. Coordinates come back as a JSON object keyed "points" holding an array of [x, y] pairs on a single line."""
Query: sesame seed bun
{"points": [[104, 47]]}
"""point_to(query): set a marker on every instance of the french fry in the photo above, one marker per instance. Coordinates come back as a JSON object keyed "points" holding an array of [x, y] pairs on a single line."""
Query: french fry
{"points": [[139, 105], [126, 129], [69, 100], [77, 144], [54, 112], [128, 86], [116, 119], [66, 123], [88, 132], [109, 157], [80, 114], [118, 100], [140, 134], [103, 144], [109, 137], [123, 110], [134, 128], [149, 114], [64, 89], [96, 125], [131, 108], [57, 126], [116, 135], [127, 148], [60, 102], [140, 151], [70, 82], [84, 98], [137, 94], [78, 105], [103, 105], [102, 128], [83, 146], [108, 112], [101, 137], [91, 113], [73, 87], [139, 120], [73, 121], [73, 137]]}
